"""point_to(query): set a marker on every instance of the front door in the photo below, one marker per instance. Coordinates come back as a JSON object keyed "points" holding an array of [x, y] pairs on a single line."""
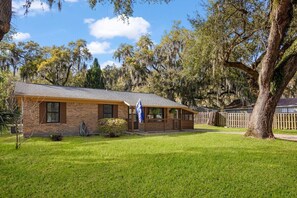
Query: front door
{"points": [[135, 119]]}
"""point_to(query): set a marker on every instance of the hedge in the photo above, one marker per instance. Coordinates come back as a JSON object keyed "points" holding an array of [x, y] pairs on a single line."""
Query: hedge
{"points": [[112, 127]]}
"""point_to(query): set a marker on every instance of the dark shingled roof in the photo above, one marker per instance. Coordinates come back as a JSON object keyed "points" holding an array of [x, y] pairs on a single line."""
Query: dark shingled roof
{"points": [[287, 102], [283, 102], [130, 98]]}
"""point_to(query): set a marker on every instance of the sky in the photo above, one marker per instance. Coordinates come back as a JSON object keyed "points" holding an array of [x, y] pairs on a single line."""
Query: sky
{"points": [[99, 27]]}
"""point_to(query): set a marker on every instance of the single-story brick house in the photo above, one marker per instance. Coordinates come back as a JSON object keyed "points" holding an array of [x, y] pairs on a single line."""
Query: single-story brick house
{"points": [[48, 109]]}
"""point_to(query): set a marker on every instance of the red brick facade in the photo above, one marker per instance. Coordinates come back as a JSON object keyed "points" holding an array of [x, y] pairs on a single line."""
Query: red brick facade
{"points": [[78, 111], [75, 113]]}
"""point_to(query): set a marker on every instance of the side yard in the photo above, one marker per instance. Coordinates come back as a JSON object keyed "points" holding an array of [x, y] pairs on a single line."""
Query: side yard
{"points": [[281, 121], [179, 165]]}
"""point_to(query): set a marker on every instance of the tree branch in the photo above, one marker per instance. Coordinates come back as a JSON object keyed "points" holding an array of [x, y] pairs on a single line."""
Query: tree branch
{"points": [[235, 41], [227, 92], [284, 73], [281, 17], [287, 45], [221, 94], [258, 61], [253, 73], [46, 78], [67, 75]]}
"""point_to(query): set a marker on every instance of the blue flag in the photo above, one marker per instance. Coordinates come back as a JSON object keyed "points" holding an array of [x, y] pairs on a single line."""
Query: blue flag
{"points": [[139, 111]]}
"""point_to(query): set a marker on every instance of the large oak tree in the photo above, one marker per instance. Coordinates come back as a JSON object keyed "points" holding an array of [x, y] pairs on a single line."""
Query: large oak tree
{"points": [[278, 66], [258, 38]]}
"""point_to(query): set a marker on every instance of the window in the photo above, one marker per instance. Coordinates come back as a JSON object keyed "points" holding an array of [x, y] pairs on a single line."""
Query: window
{"points": [[187, 115], [155, 114], [107, 111], [52, 112], [292, 110], [173, 113]]}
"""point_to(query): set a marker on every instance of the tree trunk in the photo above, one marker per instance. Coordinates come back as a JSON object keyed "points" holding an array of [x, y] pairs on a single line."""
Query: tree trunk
{"points": [[274, 75], [260, 124], [5, 17]]}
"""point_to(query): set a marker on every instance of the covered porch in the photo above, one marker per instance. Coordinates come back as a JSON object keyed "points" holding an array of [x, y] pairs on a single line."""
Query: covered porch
{"points": [[160, 119]]}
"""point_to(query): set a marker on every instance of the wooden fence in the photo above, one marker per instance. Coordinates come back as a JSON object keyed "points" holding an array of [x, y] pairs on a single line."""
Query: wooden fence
{"points": [[203, 117], [238, 120], [284, 121]]}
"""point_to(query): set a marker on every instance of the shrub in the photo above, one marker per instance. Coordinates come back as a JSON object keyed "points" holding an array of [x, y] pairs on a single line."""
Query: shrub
{"points": [[56, 137], [112, 127]]}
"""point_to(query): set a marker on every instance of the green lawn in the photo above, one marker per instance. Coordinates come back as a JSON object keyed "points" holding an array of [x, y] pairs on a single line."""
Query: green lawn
{"points": [[209, 128], [183, 165], [204, 127]]}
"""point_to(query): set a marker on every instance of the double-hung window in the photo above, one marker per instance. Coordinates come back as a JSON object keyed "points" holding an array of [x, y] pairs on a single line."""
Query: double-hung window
{"points": [[52, 112], [107, 111]]}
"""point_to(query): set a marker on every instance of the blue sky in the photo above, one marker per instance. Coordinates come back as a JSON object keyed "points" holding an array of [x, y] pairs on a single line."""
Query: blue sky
{"points": [[99, 27]]}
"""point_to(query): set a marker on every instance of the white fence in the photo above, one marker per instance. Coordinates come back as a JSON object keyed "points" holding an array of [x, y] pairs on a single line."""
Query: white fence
{"points": [[240, 120]]}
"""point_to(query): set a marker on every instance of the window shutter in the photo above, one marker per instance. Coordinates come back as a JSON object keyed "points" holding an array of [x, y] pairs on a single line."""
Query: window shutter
{"points": [[100, 111], [115, 111], [62, 112], [42, 112]]}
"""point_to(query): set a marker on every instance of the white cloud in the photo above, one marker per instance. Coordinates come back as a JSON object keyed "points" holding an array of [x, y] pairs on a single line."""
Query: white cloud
{"points": [[108, 28], [111, 63], [35, 8], [96, 47], [89, 20], [20, 36]]}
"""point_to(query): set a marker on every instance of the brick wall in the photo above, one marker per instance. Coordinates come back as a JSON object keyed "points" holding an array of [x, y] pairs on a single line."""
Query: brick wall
{"points": [[75, 113], [123, 111]]}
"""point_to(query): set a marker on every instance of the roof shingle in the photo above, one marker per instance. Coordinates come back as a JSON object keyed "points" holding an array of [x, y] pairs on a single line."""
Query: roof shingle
{"points": [[130, 98]]}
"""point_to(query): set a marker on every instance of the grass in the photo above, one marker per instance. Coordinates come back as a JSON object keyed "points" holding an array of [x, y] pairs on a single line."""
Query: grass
{"points": [[288, 132], [205, 127], [183, 165], [209, 128]]}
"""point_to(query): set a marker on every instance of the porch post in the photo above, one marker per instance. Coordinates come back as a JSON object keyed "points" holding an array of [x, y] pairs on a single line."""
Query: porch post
{"points": [[180, 119], [165, 119], [132, 118], [193, 118], [22, 106], [145, 118]]}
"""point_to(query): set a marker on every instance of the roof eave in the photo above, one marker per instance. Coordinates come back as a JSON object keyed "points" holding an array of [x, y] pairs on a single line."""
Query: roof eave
{"points": [[64, 98]]}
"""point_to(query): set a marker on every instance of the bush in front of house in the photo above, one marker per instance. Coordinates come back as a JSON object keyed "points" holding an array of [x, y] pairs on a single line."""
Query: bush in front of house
{"points": [[112, 127], [56, 137]]}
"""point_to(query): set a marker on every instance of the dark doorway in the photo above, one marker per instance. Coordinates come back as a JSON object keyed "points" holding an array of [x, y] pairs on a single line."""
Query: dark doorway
{"points": [[135, 119]]}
